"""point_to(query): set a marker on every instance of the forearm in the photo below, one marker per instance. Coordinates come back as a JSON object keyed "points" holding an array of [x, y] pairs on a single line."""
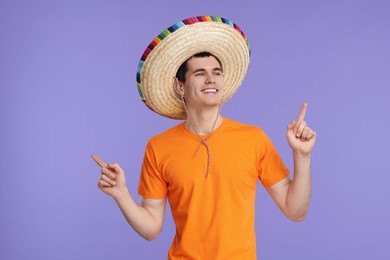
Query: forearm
{"points": [[139, 218], [299, 192]]}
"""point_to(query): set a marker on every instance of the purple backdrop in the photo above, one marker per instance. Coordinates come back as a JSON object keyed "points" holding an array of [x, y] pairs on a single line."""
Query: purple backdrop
{"points": [[67, 75]]}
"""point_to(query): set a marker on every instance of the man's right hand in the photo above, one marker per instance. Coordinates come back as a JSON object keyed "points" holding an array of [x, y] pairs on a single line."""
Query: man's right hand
{"points": [[112, 180], [147, 219]]}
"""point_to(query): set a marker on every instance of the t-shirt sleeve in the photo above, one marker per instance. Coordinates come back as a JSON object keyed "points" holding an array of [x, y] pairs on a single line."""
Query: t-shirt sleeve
{"points": [[151, 184], [271, 166]]}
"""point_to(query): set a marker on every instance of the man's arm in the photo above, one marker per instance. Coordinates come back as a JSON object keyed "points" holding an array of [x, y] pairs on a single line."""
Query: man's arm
{"points": [[293, 197], [146, 219]]}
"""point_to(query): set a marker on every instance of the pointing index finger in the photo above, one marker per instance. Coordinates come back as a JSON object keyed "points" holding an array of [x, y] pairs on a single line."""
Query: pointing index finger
{"points": [[99, 161], [301, 116]]}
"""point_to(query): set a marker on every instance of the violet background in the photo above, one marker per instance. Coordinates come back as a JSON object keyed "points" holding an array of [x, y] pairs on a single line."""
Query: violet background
{"points": [[67, 78]]}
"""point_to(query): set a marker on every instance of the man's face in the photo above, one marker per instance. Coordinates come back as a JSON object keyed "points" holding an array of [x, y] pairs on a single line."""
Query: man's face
{"points": [[204, 82]]}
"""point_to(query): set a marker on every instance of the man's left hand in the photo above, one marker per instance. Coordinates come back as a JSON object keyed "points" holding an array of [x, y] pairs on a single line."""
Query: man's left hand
{"points": [[300, 136]]}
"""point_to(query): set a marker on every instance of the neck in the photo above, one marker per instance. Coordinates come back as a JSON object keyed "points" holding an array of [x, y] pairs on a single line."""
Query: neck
{"points": [[203, 121]]}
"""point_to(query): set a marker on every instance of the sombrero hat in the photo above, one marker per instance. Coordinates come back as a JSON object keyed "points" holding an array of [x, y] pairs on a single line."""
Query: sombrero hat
{"points": [[164, 55]]}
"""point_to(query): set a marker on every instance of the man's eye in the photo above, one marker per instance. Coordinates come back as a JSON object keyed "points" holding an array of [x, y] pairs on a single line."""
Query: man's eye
{"points": [[199, 74], [219, 73]]}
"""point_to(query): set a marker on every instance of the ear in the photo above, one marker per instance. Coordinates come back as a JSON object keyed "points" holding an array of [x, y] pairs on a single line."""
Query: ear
{"points": [[178, 87]]}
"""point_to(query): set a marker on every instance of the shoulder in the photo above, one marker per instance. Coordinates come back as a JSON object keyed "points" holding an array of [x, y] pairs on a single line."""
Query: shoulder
{"points": [[235, 126], [246, 132], [167, 136]]}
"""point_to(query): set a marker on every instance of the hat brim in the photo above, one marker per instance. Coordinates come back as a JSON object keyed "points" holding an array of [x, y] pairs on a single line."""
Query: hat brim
{"points": [[163, 57]]}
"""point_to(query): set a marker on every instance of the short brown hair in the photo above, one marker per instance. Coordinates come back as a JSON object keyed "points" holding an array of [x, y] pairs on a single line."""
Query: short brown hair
{"points": [[181, 72]]}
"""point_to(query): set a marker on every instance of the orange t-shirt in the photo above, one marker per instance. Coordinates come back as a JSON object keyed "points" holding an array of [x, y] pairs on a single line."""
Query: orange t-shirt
{"points": [[214, 216]]}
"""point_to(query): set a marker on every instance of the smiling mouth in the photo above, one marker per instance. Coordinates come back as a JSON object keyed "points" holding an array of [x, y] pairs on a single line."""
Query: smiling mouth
{"points": [[210, 90]]}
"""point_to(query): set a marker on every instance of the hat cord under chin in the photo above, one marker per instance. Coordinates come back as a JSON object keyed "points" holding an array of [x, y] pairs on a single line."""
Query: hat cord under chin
{"points": [[202, 140]]}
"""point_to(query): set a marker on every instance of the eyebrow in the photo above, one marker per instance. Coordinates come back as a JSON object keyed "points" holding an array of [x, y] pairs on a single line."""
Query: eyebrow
{"points": [[203, 70]]}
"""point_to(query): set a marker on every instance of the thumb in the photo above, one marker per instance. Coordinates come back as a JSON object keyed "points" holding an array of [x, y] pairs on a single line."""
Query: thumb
{"points": [[115, 167], [291, 125]]}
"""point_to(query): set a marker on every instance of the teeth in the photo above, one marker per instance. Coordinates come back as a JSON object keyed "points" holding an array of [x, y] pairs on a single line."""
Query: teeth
{"points": [[210, 90]]}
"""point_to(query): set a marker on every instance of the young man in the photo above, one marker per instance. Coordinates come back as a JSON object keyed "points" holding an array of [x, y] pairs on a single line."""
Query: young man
{"points": [[208, 166]]}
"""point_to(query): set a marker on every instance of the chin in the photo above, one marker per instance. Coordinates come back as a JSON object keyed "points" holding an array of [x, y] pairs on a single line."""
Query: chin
{"points": [[212, 104]]}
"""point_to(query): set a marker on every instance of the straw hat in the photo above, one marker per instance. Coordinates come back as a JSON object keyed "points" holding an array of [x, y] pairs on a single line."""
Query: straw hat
{"points": [[164, 55]]}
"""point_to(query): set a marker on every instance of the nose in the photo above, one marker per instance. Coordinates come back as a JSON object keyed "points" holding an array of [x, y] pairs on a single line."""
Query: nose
{"points": [[210, 78]]}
